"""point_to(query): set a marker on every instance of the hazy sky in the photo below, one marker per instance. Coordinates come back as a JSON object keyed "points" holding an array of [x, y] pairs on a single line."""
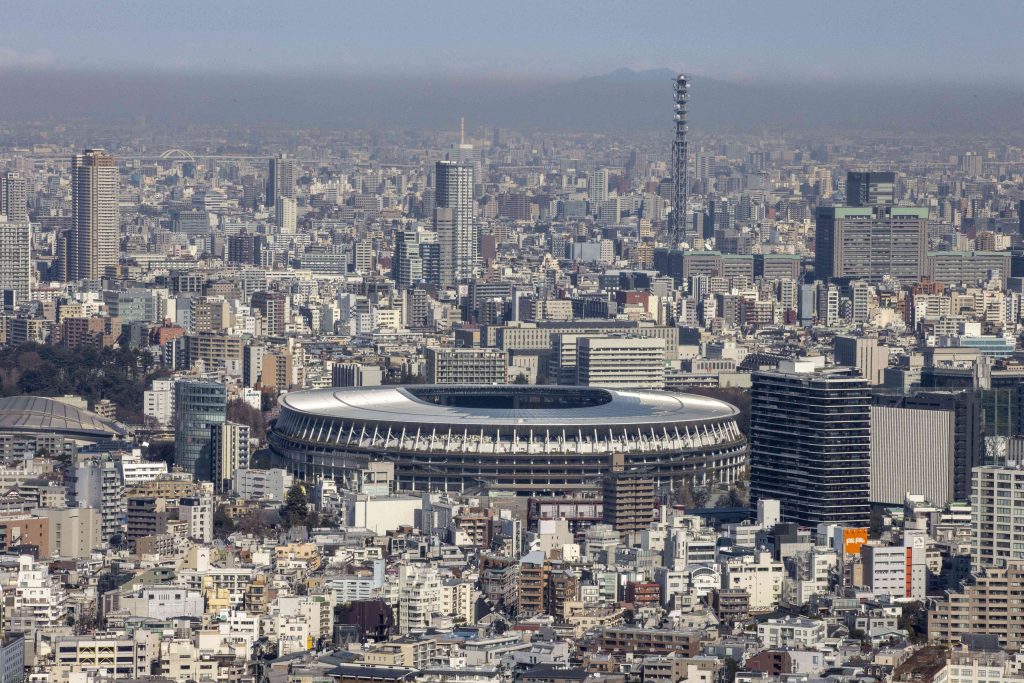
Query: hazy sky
{"points": [[892, 41]]}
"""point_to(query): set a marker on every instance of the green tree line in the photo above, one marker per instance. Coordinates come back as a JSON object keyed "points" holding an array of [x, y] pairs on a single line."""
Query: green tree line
{"points": [[120, 375]]}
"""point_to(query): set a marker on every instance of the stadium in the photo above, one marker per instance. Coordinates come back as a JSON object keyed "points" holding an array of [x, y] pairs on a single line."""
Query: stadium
{"points": [[30, 424], [516, 439]]}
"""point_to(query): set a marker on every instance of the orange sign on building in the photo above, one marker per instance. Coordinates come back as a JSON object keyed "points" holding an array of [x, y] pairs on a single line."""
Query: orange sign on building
{"points": [[853, 539]]}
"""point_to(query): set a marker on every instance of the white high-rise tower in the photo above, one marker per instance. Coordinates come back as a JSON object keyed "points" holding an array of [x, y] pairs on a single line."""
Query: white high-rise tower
{"points": [[454, 221]]}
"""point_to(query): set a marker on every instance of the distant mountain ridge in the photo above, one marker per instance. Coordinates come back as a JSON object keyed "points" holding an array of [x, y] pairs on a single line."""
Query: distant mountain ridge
{"points": [[622, 100]]}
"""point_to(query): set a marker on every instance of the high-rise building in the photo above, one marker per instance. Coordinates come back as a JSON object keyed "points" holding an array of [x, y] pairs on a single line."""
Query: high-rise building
{"points": [[285, 215], [597, 186], [14, 197], [810, 437], [407, 264], [229, 445], [15, 260], [280, 179], [828, 305], [968, 432], [997, 494], [95, 482], [937, 463], [870, 188], [971, 164], [93, 244], [986, 605], [912, 452], [198, 406], [454, 221], [870, 243], [628, 502]]}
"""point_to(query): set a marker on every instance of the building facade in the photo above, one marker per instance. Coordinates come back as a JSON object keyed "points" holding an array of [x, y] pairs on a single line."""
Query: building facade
{"points": [[94, 242], [810, 432], [454, 221], [871, 243], [198, 407], [15, 260]]}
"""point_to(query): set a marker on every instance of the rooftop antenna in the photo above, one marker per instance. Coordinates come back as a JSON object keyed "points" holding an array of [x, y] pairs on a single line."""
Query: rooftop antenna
{"points": [[462, 130]]}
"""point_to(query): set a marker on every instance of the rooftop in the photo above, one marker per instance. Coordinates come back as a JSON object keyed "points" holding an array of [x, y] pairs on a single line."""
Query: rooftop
{"points": [[511, 405], [47, 415]]}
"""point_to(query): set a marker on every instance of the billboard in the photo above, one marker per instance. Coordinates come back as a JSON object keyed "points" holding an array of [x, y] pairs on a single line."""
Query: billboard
{"points": [[853, 539]]}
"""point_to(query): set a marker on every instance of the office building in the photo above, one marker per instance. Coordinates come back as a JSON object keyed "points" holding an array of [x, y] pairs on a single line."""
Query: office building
{"points": [[407, 263], [94, 241], [870, 188], [948, 443], [597, 187], [617, 362], [454, 221], [863, 353], [968, 267], [466, 366], [897, 571], [285, 217], [356, 375], [272, 484], [871, 243], [810, 432], [198, 407], [16, 260], [912, 452], [280, 179], [229, 451], [14, 197]]}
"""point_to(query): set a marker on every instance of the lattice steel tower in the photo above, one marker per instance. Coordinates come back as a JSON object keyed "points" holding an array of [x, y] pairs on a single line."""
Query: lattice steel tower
{"points": [[679, 163]]}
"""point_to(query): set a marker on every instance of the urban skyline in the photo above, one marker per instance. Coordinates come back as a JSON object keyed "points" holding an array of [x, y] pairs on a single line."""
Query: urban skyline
{"points": [[423, 344]]}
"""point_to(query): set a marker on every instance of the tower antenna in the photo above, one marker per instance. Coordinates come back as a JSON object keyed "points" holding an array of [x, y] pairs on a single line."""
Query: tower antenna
{"points": [[680, 184]]}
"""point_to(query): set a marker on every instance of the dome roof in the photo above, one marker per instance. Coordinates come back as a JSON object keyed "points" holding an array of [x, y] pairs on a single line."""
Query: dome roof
{"points": [[26, 414]]}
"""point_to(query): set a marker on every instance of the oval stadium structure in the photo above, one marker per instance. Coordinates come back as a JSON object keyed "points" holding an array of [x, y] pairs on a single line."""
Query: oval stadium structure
{"points": [[509, 438]]}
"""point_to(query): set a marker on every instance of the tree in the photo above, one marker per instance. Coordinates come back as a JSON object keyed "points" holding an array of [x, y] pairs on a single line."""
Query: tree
{"points": [[223, 525], [254, 524], [161, 451], [296, 505], [733, 499], [912, 620], [241, 412], [521, 379]]}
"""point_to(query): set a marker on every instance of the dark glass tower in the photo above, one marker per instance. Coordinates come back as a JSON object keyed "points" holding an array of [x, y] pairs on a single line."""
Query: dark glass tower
{"points": [[198, 406], [810, 438], [870, 188]]}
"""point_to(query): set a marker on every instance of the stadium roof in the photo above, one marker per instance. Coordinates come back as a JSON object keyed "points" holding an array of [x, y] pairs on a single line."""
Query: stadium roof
{"points": [[602, 407], [38, 414]]}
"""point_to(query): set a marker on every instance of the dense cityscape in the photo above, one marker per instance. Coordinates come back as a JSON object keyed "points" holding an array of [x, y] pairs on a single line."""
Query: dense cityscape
{"points": [[488, 404]]}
